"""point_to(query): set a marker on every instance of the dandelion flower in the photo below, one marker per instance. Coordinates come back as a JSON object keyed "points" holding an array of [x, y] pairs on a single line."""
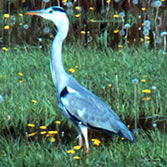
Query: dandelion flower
{"points": [[43, 132], [91, 8], [20, 14], [146, 91], [96, 142], [31, 125], [122, 138], [77, 7], [77, 147], [20, 73], [77, 15], [52, 139], [116, 31], [4, 49], [110, 85], [143, 9], [34, 101], [83, 32], [116, 16], [6, 15], [58, 122], [52, 132], [6, 27], [91, 20], [108, 1], [70, 151], [32, 134], [43, 127], [76, 157], [72, 70], [20, 81], [143, 80], [76, 66], [146, 98]]}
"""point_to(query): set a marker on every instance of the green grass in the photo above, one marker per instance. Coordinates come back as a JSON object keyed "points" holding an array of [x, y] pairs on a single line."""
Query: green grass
{"points": [[97, 68]]}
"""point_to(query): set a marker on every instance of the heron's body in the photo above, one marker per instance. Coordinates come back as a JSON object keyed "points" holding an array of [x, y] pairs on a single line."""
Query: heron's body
{"points": [[77, 103]]}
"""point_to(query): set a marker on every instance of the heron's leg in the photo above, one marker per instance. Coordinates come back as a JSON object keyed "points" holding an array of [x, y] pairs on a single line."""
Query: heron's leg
{"points": [[84, 131], [80, 140]]}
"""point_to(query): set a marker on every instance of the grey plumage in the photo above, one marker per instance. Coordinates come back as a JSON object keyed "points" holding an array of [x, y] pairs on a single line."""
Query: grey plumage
{"points": [[78, 104]]}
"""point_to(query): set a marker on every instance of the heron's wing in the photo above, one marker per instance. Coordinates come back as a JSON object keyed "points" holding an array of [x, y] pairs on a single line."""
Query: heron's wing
{"points": [[90, 110]]}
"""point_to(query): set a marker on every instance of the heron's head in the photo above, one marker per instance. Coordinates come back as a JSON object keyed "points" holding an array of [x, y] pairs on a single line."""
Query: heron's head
{"points": [[55, 13]]}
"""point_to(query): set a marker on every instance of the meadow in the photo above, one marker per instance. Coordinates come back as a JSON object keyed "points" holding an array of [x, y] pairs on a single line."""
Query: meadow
{"points": [[117, 49], [35, 133]]}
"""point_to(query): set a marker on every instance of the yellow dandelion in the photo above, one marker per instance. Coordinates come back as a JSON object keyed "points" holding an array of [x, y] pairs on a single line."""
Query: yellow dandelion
{"points": [[6, 27], [31, 125], [32, 134], [146, 91], [147, 37], [58, 122], [96, 143], [34, 101], [77, 7], [52, 132], [6, 15], [134, 40], [76, 66], [108, 1], [77, 147], [52, 139], [83, 32], [141, 39], [116, 31], [76, 157], [64, 1], [143, 9], [43, 127], [120, 46], [43, 132], [122, 138], [91, 20], [20, 14], [128, 126], [4, 49], [70, 151], [91, 8], [77, 15], [146, 98], [147, 41], [96, 140], [20, 24], [143, 80], [72, 70], [110, 85], [20, 81], [20, 73], [51, 36], [162, 0], [116, 16]]}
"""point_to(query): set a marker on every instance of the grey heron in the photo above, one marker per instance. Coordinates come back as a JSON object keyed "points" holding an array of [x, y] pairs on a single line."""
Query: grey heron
{"points": [[82, 107]]}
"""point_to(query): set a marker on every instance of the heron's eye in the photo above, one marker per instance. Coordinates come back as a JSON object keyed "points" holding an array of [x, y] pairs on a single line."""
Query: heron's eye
{"points": [[51, 11]]}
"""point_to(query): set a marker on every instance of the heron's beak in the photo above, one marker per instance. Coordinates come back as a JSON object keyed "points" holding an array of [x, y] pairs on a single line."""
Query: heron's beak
{"points": [[35, 12]]}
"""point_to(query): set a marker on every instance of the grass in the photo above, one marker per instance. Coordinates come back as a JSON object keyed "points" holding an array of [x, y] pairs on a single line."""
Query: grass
{"points": [[31, 99]]}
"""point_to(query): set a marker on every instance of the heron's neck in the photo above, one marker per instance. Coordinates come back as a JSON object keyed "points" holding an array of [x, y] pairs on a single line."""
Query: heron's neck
{"points": [[56, 63]]}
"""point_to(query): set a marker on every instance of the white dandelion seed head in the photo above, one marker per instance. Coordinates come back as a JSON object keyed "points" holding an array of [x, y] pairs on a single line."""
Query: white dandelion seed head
{"points": [[25, 26], [145, 32], [135, 2], [46, 1], [69, 4], [126, 26], [154, 124], [156, 4], [1, 98], [135, 81], [147, 22], [121, 32], [46, 30], [163, 33], [116, 1], [153, 87], [139, 16], [158, 40], [121, 14], [39, 39]]}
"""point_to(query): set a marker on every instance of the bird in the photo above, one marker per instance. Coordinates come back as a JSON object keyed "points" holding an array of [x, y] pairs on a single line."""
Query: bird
{"points": [[77, 103]]}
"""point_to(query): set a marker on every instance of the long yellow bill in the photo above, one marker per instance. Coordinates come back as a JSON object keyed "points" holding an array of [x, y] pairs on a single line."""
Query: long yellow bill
{"points": [[36, 12]]}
